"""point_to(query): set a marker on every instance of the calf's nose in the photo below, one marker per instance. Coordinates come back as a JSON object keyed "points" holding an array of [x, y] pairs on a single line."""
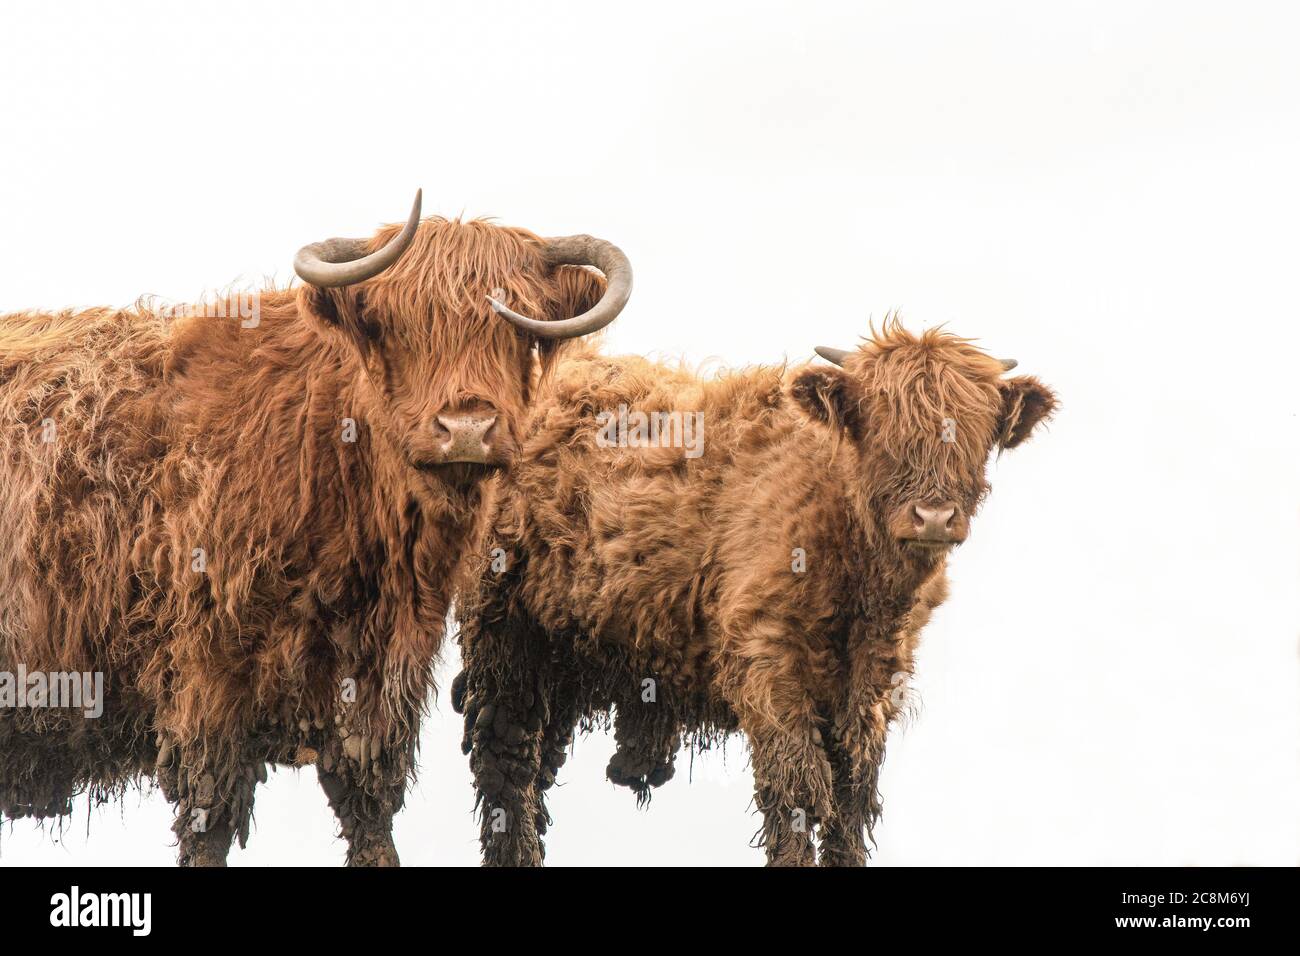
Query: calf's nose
{"points": [[464, 436]]}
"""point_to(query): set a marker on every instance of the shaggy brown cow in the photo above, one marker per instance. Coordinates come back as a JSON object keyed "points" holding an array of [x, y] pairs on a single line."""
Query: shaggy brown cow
{"points": [[253, 530], [776, 584]]}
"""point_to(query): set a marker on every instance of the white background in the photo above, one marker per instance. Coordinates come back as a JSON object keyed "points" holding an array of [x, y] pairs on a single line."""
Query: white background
{"points": [[1106, 191]]}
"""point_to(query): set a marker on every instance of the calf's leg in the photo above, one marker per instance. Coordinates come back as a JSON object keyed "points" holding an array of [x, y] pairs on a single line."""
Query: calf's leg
{"points": [[648, 737], [855, 806], [576, 689], [767, 674], [792, 787], [502, 693], [38, 775]]}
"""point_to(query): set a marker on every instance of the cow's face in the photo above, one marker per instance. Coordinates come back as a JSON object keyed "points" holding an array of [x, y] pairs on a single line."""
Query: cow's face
{"points": [[451, 376], [923, 415]]}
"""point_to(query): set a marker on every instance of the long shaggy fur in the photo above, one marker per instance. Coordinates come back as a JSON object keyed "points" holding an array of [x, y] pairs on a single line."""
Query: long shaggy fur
{"points": [[312, 632], [670, 590]]}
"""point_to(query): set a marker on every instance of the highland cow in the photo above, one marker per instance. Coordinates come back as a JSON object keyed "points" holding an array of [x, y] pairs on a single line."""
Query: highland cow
{"points": [[253, 530], [776, 585]]}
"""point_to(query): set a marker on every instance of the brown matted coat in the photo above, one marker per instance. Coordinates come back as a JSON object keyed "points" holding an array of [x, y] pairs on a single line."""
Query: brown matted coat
{"points": [[765, 586], [235, 526]]}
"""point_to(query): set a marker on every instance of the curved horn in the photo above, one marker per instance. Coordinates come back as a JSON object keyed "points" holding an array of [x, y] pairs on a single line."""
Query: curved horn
{"points": [[833, 355], [338, 262], [1008, 364], [580, 251]]}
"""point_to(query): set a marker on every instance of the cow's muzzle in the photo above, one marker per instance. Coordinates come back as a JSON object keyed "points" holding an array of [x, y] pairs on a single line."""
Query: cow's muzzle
{"points": [[469, 437], [476, 436]]}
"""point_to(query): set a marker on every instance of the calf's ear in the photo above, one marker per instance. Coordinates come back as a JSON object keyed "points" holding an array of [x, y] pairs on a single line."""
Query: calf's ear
{"points": [[1025, 402], [832, 396]]}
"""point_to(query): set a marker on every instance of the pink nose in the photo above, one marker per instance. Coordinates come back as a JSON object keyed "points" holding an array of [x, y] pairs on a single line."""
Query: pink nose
{"points": [[933, 524], [464, 436], [929, 522]]}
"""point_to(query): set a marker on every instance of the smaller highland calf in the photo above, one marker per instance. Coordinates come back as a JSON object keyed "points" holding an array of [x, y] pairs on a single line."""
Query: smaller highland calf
{"points": [[776, 585]]}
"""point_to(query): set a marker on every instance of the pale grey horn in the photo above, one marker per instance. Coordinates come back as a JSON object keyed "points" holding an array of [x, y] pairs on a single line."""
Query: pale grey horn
{"points": [[833, 355], [338, 262], [1008, 364], [580, 251]]}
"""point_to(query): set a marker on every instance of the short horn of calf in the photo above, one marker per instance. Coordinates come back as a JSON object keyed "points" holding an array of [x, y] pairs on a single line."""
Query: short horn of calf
{"points": [[833, 355]]}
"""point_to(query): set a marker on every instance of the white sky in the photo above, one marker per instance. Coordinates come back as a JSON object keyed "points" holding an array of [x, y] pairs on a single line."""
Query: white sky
{"points": [[1106, 191]]}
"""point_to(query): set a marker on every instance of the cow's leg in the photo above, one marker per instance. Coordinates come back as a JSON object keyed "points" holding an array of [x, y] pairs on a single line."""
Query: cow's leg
{"points": [[365, 808], [211, 787], [364, 776]]}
